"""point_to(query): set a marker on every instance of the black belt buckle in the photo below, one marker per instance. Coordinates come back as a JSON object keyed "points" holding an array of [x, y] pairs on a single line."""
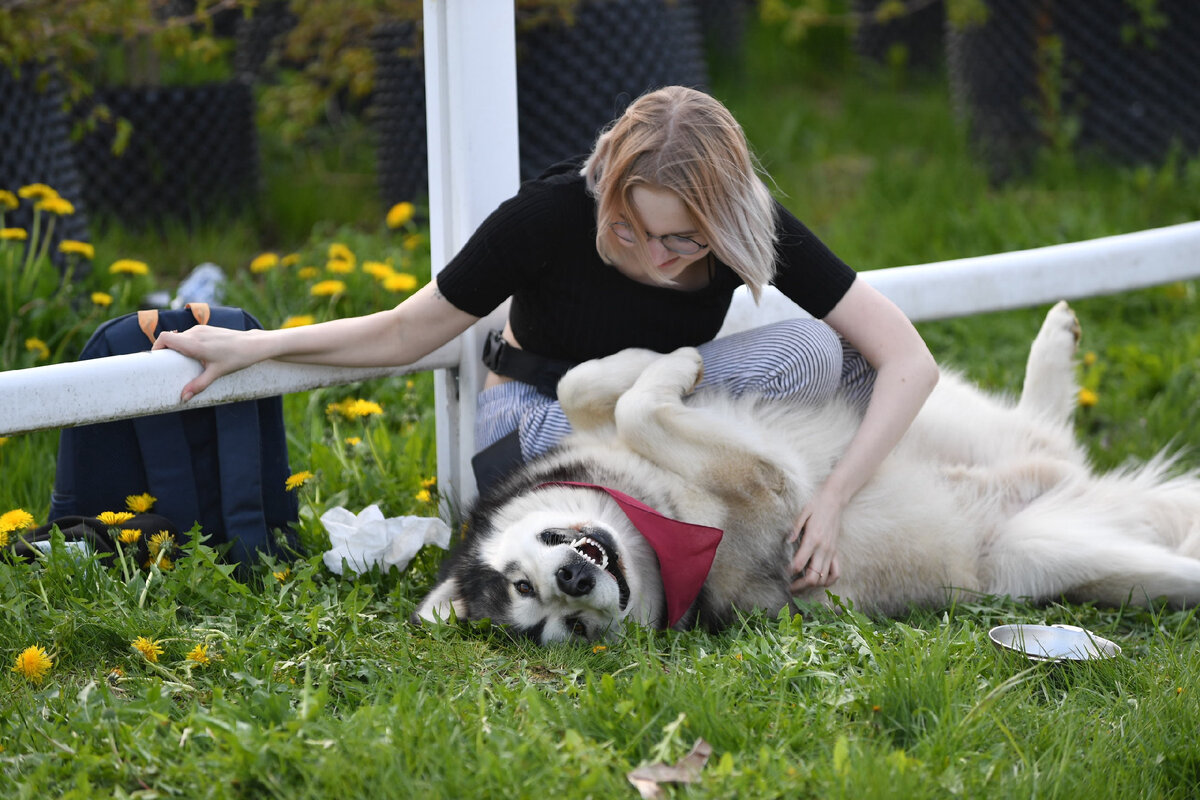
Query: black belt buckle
{"points": [[493, 350]]}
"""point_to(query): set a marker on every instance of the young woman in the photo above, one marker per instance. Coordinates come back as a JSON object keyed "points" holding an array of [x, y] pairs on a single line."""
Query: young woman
{"points": [[641, 244]]}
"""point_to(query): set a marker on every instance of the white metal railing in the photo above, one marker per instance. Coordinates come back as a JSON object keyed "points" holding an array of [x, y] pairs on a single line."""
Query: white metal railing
{"points": [[76, 393]]}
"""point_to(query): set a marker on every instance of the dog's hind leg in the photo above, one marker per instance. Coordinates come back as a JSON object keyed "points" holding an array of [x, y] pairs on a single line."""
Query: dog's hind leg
{"points": [[588, 393], [1065, 553], [1050, 389]]}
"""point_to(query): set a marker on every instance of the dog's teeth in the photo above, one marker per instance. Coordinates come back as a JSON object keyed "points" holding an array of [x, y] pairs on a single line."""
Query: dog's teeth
{"points": [[592, 551]]}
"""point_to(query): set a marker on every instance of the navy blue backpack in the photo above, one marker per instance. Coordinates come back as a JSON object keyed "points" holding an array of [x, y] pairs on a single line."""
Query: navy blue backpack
{"points": [[225, 467]]}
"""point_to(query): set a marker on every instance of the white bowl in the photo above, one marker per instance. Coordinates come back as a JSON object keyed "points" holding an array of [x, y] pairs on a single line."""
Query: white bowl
{"points": [[1053, 642]]}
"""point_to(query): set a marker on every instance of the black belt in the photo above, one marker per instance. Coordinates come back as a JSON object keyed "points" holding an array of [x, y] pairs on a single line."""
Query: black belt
{"points": [[512, 362]]}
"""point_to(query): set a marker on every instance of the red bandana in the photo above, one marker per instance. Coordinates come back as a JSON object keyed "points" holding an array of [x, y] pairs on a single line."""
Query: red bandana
{"points": [[685, 551]]}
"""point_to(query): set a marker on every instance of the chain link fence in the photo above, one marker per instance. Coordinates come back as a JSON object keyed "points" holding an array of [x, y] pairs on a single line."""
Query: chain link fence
{"points": [[35, 148], [192, 153], [572, 79], [1108, 77]]}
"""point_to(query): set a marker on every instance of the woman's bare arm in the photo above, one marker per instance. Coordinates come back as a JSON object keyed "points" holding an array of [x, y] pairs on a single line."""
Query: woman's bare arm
{"points": [[905, 375], [398, 336]]}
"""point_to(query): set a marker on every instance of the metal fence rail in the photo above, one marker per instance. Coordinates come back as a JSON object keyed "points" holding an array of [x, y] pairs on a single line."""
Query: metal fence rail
{"points": [[62, 395]]}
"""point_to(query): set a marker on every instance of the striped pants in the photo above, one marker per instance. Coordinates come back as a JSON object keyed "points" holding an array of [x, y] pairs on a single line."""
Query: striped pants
{"points": [[802, 359]]}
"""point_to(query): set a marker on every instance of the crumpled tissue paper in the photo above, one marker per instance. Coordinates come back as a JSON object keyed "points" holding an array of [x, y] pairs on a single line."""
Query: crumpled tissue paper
{"points": [[366, 538]]}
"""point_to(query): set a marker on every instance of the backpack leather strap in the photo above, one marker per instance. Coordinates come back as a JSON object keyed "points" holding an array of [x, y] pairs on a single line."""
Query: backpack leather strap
{"points": [[200, 311], [148, 318], [148, 322], [239, 462]]}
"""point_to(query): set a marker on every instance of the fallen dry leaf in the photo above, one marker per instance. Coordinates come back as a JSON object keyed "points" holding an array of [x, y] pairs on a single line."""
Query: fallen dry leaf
{"points": [[648, 778]]}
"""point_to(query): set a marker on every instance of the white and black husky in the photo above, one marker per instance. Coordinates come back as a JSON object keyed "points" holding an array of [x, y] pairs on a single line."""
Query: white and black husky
{"points": [[982, 495]]}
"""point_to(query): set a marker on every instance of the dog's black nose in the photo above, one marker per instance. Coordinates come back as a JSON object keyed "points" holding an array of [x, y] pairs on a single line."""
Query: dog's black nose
{"points": [[575, 579]]}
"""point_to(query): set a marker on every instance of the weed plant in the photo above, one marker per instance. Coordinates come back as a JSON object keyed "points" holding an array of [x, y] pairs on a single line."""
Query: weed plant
{"points": [[297, 683]]}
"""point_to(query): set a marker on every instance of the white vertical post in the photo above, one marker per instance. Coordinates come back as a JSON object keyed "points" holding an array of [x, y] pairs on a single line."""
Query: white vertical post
{"points": [[471, 116]]}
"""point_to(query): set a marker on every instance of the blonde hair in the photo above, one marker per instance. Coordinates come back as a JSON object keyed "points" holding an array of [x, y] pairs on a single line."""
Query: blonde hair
{"points": [[687, 142]]}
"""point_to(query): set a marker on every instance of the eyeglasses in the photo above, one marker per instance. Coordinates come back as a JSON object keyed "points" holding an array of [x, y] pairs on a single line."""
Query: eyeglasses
{"points": [[679, 245]]}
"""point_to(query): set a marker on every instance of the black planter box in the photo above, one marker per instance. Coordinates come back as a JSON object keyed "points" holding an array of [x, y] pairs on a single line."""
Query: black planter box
{"points": [[1117, 89], [193, 154]]}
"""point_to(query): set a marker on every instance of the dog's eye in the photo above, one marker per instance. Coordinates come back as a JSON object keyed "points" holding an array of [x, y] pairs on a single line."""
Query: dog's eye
{"points": [[524, 588], [578, 628]]}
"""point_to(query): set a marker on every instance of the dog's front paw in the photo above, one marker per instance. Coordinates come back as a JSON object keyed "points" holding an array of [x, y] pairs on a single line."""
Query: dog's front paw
{"points": [[686, 366], [589, 391]]}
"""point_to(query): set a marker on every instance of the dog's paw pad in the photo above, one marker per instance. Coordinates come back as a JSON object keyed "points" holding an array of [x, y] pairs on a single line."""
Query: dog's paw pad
{"points": [[1062, 316]]}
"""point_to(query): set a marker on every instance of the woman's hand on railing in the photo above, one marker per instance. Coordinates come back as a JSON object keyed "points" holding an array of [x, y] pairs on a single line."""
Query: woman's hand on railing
{"points": [[220, 351]]}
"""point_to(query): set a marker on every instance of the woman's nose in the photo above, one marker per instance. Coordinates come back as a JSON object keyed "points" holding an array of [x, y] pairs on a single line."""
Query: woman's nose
{"points": [[657, 249]]}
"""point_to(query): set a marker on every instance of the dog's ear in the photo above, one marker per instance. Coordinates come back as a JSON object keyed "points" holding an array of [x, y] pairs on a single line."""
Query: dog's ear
{"points": [[442, 605]]}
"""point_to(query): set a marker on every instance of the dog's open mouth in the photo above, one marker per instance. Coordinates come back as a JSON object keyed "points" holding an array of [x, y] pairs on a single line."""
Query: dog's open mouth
{"points": [[597, 547], [592, 550]]}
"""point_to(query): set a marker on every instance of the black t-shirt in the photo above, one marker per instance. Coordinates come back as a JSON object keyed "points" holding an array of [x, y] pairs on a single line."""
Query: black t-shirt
{"points": [[540, 248]]}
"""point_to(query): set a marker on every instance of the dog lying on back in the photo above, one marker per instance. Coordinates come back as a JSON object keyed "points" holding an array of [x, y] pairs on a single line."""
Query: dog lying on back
{"points": [[982, 495]]}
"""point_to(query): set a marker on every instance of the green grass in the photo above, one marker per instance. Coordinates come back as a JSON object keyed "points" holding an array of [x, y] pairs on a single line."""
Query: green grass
{"points": [[319, 687]]}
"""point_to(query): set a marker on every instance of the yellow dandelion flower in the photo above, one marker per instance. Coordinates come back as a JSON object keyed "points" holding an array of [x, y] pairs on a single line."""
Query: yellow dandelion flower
{"points": [[127, 266], [1089, 358], [56, 205], [362, 408], [8, 200], [264, 262], [73, 247], [149, 648], [12, 521], [3, 439], [162, 562], [33, 664], [353, 441], [16, 520], [339, 252], [339, 266], [413, 241], [161, 542], [400, 282], [409, 384], [400, 214], [37, 191], [114, 518], [1088, 398], [327, 288], [600, 648], [298, 321], [102, 299], [297, 479], [129, 535], [13, 234], [377, 269], [283, 574], [429, 483], [199, 655], [37, 346], [307, 273], [140, 503], [290, 260], [423, 496]]}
